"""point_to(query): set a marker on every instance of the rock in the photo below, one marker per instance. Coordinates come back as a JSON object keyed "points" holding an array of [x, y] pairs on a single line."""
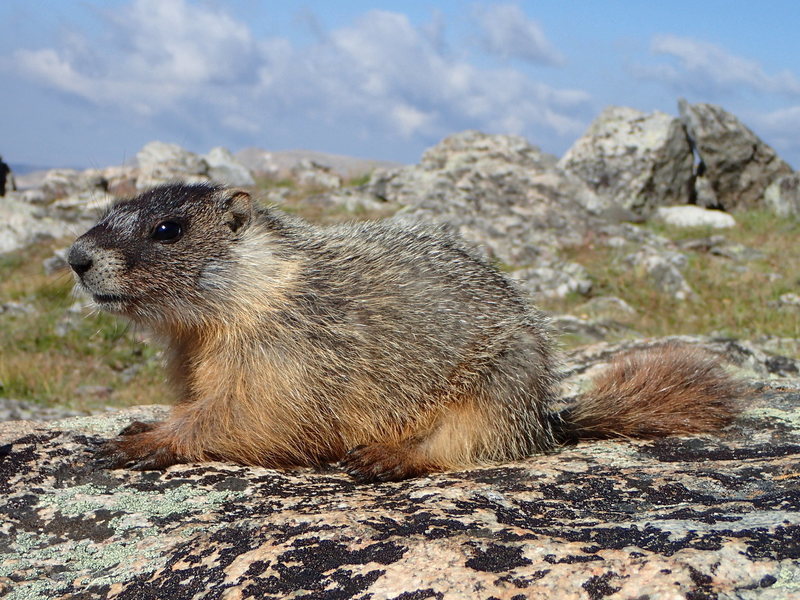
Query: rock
{"points": [[782, 197], [704, 194], [555, 281], [16, 308], [683, 517], [719, 245], [6, 178], [498, 192], [693, 216], [310, 174], [572, 330], [607, 307], [63, 183], [22, 223], [352, 200], [16, 410], [160, 163], [224, 168], [94, 391], [789, 299], [737, 163], [639, 161], [121, 181], [664, 271], [279, 164], [56, 262]]}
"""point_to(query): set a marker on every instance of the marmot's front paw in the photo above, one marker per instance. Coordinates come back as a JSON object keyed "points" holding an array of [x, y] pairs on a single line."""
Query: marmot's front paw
{"points": [[141, 451], [383, 462]]}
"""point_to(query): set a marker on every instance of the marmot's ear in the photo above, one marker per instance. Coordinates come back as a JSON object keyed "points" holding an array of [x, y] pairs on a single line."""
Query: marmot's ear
{"points": [[238, 208]]}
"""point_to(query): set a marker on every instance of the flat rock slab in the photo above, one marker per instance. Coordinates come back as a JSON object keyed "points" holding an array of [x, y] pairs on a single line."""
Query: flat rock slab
{"points": [[688, 517]]}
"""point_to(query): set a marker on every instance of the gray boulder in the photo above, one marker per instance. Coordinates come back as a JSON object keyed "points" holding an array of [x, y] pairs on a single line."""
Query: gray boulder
{"points": [[639, 161], [497, 191], [225, 168], [160, 163], [783, 196], [737, 164]]}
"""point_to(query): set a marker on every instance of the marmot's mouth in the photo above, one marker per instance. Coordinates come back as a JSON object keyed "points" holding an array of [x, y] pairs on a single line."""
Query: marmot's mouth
{"points": [[108, 298]]}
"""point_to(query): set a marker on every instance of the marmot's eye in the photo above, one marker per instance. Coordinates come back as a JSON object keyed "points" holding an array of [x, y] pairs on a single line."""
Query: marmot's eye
{"points": [[166, 232]]}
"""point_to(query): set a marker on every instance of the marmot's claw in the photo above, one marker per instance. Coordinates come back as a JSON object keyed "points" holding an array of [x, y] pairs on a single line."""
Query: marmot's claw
{"points": [[108, 455], [380, 462], [135, 451], [137, 427]]}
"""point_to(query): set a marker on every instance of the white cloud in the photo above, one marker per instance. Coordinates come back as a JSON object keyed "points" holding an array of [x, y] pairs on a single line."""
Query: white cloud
{"points": [[381, 73], [155, 53], [509, 33], [707, 68]]}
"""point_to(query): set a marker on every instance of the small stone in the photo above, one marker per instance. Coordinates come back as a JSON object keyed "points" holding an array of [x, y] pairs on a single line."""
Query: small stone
{"points": [[693, 216], [94, 391], [783, 196]]}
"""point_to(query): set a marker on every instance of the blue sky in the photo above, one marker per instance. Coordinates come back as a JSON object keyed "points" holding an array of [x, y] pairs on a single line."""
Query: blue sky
{"points": [[88, 83]]}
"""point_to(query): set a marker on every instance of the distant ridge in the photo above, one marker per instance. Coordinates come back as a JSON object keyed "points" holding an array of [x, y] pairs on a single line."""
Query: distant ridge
{"points": [[280, 162]]}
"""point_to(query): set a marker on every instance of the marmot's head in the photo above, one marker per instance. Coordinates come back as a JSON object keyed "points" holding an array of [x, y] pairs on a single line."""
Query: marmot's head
{"points": [[166, 255]]}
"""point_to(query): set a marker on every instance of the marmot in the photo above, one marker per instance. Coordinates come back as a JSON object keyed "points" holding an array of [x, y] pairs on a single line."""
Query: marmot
{"points": [[396, 349]]}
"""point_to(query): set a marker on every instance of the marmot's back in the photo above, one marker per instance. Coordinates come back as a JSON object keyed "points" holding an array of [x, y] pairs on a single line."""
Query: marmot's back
{"points": [[394, 347]]}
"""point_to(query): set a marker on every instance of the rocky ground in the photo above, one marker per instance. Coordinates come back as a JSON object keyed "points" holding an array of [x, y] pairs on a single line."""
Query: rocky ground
{"points": [[689, 517], [694, 517]]}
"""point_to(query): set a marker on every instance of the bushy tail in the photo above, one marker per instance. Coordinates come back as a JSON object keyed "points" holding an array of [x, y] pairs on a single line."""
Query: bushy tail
{"points": [[666, 390]]}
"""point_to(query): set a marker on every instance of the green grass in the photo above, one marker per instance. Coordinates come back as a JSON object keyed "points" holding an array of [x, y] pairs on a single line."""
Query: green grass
{"points": [[49, 355]]}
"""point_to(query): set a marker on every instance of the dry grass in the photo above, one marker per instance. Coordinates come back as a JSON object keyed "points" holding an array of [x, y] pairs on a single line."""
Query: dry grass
{"points": [[735, 299]]}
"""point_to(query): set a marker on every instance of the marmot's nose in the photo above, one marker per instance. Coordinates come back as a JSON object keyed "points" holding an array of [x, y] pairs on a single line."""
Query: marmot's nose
{"points": [[79, 260]]}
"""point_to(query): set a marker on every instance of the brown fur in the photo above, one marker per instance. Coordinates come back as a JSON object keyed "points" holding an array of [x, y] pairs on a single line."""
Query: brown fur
{"points": [[395, 349], [667, 390]]}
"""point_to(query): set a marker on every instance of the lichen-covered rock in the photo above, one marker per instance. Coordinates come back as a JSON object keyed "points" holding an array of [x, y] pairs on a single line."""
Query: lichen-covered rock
{"points": [[637, 160], [554, 281], [663, 268], [682, 517], [497, 191], [783, 196], [735, 161]]}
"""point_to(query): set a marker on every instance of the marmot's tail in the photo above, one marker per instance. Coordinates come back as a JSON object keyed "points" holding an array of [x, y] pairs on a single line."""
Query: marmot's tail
{"points": [[666, 390]]}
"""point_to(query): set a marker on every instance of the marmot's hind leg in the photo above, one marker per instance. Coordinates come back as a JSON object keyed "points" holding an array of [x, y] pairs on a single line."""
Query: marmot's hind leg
{"points": [[465, 435]]}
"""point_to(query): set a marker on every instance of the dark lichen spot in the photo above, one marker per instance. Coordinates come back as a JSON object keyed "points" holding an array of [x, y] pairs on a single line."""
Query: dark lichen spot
{"points": [[233, 484], [704, 450], [598, 586], [767, 581], [419, 595], [524, 581], [496, 558], [570, 559]]}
